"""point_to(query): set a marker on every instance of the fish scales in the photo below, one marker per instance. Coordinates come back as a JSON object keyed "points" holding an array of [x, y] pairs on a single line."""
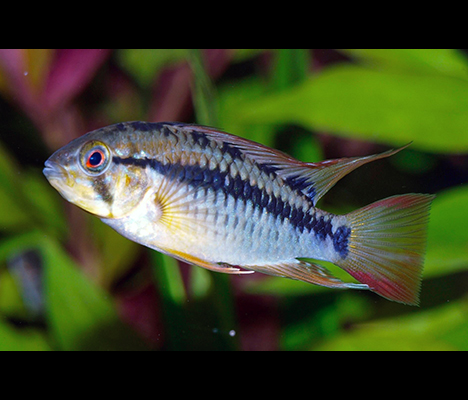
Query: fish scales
{"points": [[222, 202], [245, 183]]}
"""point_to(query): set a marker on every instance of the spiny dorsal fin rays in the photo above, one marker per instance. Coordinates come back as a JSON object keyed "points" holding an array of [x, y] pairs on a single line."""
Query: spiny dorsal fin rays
{"points": [[313, 179]]}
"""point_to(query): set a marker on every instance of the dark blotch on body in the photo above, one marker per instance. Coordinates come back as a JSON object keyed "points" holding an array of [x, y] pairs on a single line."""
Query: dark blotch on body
{"points": [[340, 240], [101, 188]]}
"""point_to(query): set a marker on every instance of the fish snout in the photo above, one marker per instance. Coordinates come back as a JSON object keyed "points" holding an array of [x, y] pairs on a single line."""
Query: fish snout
{"points": [[53, 171]]}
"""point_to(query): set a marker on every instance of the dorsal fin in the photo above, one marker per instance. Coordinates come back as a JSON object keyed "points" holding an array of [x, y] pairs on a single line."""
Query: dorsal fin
{"points": [[313, 179], [316, 179]]}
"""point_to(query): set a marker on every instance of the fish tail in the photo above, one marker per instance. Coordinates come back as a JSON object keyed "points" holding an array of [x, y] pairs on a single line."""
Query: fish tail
{"points": [[386, 246]]}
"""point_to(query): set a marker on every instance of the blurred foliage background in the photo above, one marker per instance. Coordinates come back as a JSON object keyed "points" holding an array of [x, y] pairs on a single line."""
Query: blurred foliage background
{"points": [[68, 282]]}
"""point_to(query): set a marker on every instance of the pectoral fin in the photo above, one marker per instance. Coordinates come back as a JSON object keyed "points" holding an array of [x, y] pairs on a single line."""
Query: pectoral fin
{"points": [[176, 209]]}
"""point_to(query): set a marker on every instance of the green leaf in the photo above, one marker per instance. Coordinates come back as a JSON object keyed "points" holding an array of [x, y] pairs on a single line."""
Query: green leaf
{"points": [[204, 94], [231, 97], [44, 204], [328, 321], [202, 283], [427, 61], [27, 200], [290, 67], [80, 314], [442, 328], [168, 278], [11, 303], [380, 106], [145, 64], [447, 242], [8, 170], [12, 339], [10, 195], [168, 281], [239, 55], [116, 253], [16, 218]]}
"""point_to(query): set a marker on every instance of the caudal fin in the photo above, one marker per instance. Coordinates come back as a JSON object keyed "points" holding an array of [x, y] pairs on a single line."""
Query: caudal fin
{"points": [[387, 244]]}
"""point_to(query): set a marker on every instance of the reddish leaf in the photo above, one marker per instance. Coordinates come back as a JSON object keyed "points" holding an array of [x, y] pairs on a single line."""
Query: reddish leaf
{"points": [[70, 73]]}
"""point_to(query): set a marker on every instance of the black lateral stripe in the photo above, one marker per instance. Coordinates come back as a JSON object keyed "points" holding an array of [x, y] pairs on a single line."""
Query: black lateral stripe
{"points": [[217, 180], [296, 183]]}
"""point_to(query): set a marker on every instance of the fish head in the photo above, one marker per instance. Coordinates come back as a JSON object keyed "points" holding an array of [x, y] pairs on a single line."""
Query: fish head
{"points": [[84, 173]]}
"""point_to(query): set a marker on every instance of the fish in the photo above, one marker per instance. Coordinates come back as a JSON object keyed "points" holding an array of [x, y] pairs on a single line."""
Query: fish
{"points": [[231, 205]]}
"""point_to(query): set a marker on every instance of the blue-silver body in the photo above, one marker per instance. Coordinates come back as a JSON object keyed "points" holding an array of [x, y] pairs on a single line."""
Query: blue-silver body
{"points": [[216, 200]]}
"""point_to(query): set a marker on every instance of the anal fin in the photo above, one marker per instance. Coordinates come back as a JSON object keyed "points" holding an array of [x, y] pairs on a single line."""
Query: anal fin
{"points": [[217, 267], [307, 272]]}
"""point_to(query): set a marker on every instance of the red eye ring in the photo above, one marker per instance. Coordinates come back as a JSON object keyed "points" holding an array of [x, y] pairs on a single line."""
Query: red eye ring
{"points": [[95, 158]]}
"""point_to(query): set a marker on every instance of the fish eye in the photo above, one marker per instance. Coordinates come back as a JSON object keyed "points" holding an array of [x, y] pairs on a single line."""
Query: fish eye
{"points": [[94, 158]]}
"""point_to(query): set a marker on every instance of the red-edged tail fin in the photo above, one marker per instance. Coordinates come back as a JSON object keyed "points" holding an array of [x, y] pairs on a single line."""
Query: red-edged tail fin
{"points": [[387, 244]]}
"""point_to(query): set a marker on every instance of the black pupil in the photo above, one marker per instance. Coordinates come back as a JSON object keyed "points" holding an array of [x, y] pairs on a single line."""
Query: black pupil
{"points": [[95, 159]]}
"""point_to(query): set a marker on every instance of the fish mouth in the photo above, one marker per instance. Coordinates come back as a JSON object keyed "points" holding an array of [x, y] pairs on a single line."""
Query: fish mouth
{"points": [[53, 171]]}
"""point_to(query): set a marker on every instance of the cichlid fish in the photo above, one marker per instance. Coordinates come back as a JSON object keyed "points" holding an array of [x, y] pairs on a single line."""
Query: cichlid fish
{"points": [[222, 202]]}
